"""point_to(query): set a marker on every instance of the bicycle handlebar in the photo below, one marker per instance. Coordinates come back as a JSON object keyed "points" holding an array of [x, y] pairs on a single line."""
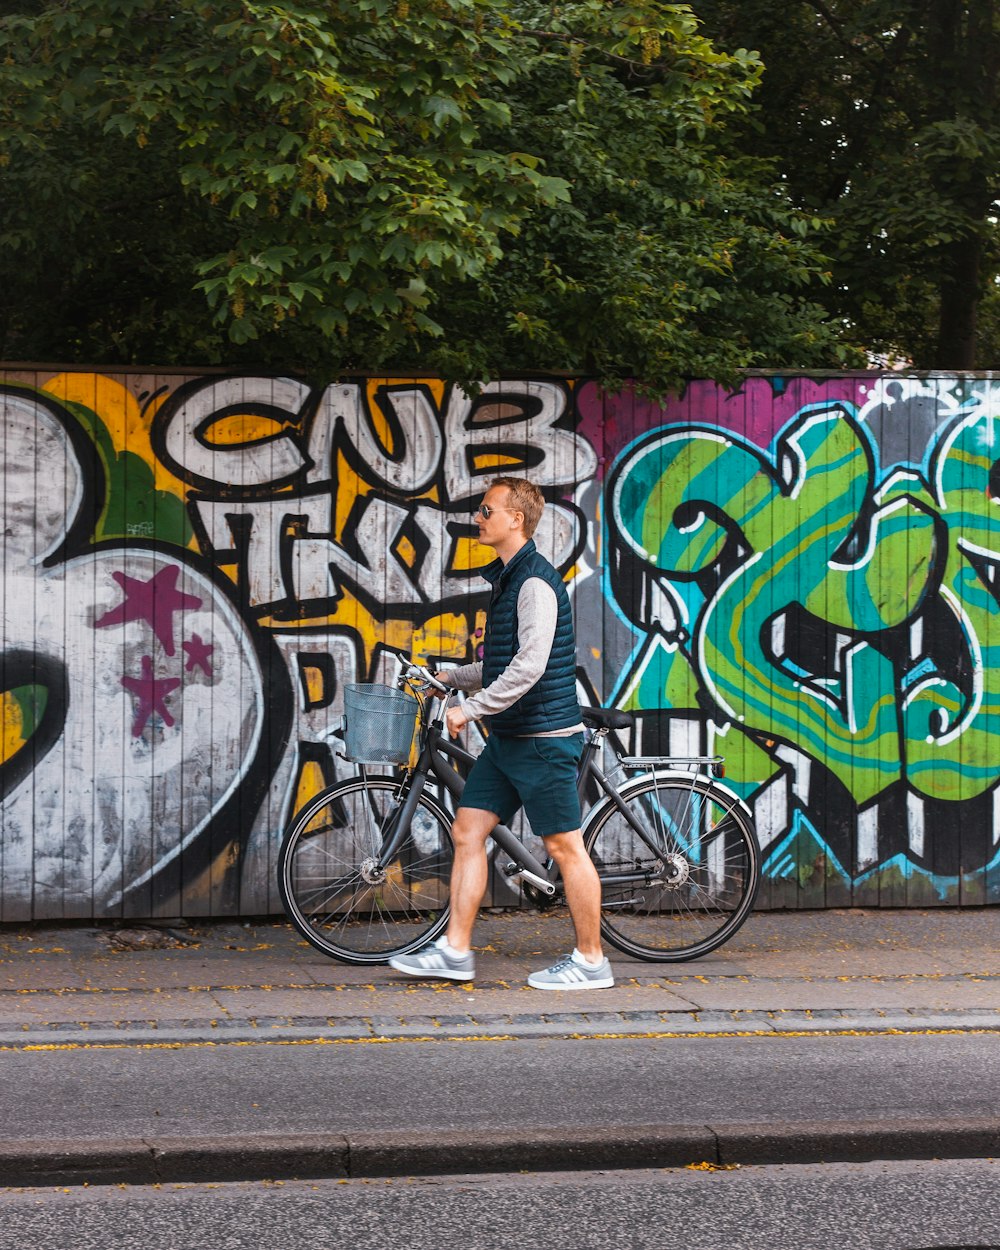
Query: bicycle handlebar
{"points": [[408, 668]]}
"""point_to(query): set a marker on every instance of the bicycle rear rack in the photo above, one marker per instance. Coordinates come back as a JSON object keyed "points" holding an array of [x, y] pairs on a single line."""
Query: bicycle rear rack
{"points": [[712, 764]]}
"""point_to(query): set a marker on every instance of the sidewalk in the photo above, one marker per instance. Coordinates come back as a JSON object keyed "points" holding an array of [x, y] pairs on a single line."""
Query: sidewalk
{"points": [[784, 971], [792, 974]]}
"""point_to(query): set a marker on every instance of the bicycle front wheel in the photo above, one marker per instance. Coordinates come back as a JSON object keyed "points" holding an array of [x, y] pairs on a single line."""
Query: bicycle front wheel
{"points": [[335, 889], [679, 872]]}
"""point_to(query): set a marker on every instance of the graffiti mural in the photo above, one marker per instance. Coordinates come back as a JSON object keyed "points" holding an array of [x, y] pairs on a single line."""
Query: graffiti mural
{"points": [[800, 576], [820, 607]]}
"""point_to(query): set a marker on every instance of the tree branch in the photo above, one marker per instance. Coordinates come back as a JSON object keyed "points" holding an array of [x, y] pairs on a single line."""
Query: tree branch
{"points": [[638, 67], [866, 129]]}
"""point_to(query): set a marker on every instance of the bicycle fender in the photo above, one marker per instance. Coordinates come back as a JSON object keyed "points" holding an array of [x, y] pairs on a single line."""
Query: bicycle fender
{"points": [[672, 775]]}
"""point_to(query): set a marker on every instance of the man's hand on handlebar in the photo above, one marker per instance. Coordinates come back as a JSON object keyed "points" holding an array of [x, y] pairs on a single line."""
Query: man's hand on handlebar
{"points": [[437, 691], [454, 717], [436, 684]]}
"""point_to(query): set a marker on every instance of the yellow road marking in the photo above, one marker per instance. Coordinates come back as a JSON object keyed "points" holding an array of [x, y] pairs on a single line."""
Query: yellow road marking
{"points": [[204, 1044]]}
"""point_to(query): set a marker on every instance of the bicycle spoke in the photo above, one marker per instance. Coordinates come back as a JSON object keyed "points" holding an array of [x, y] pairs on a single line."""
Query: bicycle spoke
{"points": [[340, 893], [699, 859]]}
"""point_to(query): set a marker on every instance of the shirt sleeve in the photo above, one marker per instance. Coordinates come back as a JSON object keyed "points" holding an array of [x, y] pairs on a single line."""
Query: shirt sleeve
{"points": [[537, 609], [465, 677]]}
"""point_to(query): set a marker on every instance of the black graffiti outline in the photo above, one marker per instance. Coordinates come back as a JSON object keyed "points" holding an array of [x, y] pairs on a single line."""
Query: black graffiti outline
{"points": [[22, 667], [290, 429]]}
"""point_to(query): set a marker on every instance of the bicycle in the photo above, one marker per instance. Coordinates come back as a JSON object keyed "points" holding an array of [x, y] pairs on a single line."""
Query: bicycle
{"points": [[363, 867]]}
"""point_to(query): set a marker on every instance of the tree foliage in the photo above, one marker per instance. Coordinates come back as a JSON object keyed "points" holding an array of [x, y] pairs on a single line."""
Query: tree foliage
{"points": [[466, 186], [883, 117]]}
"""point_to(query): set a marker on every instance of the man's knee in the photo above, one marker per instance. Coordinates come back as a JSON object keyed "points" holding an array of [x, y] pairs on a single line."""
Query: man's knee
{"points": [[471, 827], [563, 846]]}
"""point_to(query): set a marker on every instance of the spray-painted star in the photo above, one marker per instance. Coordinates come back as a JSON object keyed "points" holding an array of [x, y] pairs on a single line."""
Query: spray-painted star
{"points": [[154, 601], [151, 693], [198, 651]]}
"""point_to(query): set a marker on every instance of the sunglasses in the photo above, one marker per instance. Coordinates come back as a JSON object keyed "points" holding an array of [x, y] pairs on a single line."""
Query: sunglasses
{"points": [[485, 511]]}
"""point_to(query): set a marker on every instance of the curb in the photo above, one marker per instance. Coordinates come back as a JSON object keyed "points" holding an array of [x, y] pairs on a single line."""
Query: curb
{"points": [[500, 1026], [439, 1153]]}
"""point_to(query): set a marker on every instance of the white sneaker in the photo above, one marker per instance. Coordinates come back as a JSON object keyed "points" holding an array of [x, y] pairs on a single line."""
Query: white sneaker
{"points": [[436, 961], [569, 973]]}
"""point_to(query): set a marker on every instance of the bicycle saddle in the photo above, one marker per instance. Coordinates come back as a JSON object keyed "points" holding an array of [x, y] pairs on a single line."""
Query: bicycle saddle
{"points": [[607, 718]]}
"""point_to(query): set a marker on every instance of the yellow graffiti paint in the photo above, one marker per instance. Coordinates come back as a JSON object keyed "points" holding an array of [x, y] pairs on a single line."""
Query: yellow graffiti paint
{"points": [[11, 727], [315, 685], [445, 636], [482, 461], [311, 781], [471, 554], [127, 423], [407, 552], [238, 429], [434, 386]]}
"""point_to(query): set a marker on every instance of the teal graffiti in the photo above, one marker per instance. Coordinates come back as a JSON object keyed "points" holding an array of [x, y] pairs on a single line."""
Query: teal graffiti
{"points": [[824, 604], [683, 499]]}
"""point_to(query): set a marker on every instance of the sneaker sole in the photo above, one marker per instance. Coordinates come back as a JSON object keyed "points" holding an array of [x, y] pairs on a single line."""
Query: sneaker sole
{"points": [[606, 983]]}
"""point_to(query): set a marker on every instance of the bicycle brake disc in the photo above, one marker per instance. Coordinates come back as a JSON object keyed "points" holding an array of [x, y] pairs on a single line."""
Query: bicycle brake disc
{"points": [[676, 870]]}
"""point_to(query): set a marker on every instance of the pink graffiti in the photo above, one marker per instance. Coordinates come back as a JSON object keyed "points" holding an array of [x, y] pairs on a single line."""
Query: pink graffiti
{"points": [[198, 652], [151, 693], [756, 411], [154, 601]]}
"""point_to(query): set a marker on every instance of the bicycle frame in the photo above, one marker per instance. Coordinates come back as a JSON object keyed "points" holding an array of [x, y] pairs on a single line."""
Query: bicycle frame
{"points": [[436, 749], [364, 868]]}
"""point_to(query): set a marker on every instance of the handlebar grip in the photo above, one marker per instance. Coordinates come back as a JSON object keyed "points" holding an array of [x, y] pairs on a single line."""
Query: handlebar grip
{"points": [[433, 681]]}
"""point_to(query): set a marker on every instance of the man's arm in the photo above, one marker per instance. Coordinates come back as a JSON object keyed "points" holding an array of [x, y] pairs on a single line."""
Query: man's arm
{"points": [[467, 677]]}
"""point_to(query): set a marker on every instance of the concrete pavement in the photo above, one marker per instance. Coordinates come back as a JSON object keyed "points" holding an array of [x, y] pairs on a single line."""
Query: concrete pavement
{"points": [[786, 974]]}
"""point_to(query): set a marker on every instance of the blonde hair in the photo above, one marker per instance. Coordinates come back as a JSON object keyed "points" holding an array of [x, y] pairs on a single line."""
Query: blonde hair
{"points": [[524, 497]]}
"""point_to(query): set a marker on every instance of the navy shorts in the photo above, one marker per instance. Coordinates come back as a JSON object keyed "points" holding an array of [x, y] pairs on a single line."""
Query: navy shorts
{"points": [[538, 774]]}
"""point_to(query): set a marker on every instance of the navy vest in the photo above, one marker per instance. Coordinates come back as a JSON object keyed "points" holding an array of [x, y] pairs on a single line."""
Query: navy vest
{"points": [[551, 703]]}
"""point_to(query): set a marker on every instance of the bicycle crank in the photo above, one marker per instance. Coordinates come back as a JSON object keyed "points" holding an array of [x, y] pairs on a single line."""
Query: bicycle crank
{"points": [[514, 875], [543, 902]]}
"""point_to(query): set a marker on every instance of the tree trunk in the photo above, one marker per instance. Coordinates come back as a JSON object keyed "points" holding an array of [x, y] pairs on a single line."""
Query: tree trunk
{"points": [[963, 90], [961, 284]]}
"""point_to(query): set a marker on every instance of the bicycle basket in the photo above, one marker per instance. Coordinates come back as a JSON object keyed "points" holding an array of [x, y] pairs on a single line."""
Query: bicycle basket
{"points": [[378, 723]]}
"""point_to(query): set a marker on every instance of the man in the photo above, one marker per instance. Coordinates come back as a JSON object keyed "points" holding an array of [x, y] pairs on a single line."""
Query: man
{"points": [[526, 686]]}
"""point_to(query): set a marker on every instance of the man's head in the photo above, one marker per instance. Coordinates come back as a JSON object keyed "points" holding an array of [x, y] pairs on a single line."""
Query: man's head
{"points": [[521, 496]]}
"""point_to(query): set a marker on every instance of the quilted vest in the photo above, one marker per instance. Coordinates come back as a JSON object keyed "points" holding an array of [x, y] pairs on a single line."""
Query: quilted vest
{"points": [[551, 703]]}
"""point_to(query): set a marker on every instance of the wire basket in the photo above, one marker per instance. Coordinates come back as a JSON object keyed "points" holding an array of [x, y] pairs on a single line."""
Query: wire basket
{"points": [[378, 723]]}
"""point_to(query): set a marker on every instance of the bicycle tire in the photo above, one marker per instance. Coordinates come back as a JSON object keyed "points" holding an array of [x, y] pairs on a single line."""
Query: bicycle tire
{"points": [[326, 881], [698, 864]]}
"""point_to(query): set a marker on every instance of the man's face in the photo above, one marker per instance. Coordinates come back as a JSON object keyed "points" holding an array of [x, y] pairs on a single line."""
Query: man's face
{"points": [[499, 525]]}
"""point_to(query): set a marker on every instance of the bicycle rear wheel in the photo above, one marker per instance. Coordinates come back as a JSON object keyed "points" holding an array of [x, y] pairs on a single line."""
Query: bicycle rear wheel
{"points": [[678, 875], [331, 884]]}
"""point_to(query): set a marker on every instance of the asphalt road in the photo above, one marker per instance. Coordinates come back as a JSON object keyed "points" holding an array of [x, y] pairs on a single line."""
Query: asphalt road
{"points": [[239, 1089], [877, 1206]]}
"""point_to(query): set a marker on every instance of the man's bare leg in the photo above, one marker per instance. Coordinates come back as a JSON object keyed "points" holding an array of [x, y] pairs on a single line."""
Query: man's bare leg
{"points": [[468, 873], [583, 890]]}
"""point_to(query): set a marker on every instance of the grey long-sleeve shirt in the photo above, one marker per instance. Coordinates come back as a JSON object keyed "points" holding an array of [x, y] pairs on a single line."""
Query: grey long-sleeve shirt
{"points": [[536, 629]]}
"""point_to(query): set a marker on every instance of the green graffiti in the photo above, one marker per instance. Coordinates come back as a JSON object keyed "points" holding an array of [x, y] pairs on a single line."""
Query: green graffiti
{"points": [[31, 703], [951, 735], [806, 530], [133, 507]]}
